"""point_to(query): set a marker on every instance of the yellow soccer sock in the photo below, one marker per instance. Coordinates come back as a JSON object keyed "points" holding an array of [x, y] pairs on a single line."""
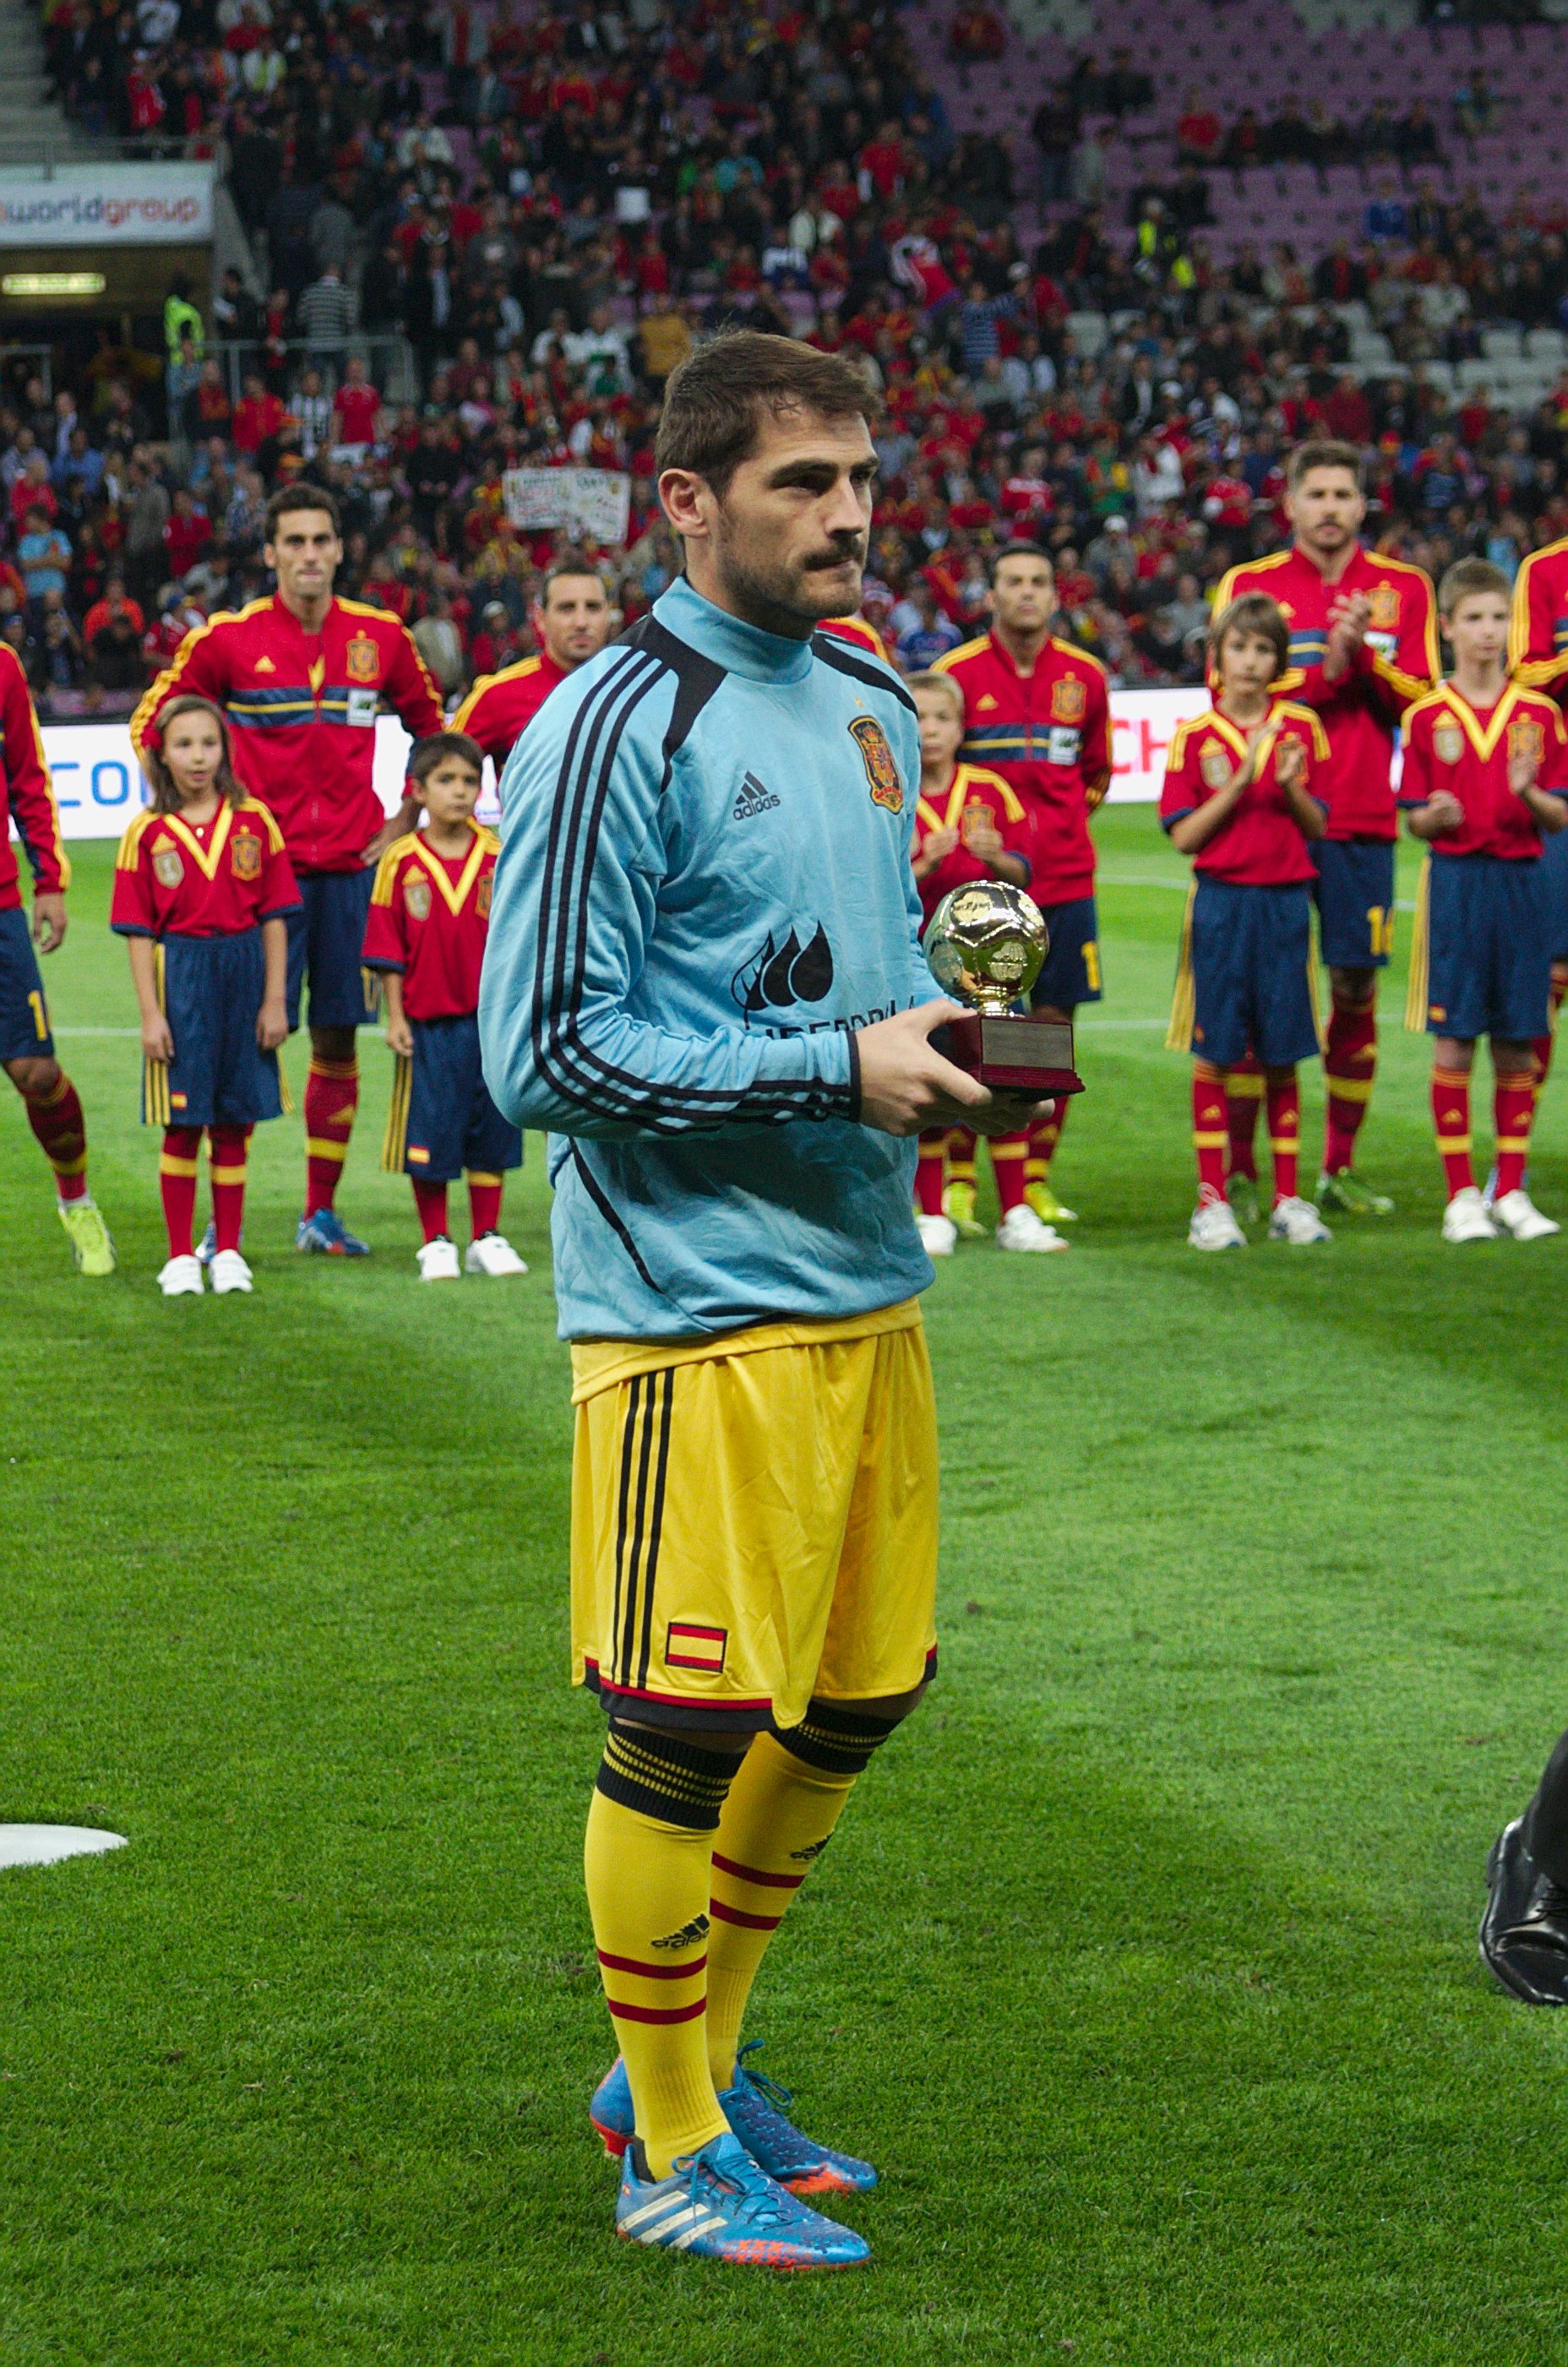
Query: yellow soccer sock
{"points": [[776, 1822], [647, 1859]]}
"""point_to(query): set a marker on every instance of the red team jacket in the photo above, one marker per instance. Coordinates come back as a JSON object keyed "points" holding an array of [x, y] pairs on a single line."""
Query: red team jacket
{"points": [[973, 794], [500, 707], [1397, 662], [1449, 746], [428, 921], [1538, 627], [1048, 735], [861, 634], [302, 707], [218, 879], [27, 797], [1261, 845]]}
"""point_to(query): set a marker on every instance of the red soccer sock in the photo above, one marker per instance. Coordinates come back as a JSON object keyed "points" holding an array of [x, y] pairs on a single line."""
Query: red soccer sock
{"points": [[1209, 1138], [1513, 1107], [1244, 1099], [1284, 1098], [177, 1181], [1044, 1140], [960, 1155], [1008, 1154], [430, 1199], [1349, 1063], [1450, 1116], [227, 1149], [483, 1204], [332, 1096], [930, 1173], [55, 1117], [1542, 1046]]}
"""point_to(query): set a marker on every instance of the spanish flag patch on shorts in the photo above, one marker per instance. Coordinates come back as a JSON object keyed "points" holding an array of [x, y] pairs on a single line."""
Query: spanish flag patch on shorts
{"points": [[689, 1647]]}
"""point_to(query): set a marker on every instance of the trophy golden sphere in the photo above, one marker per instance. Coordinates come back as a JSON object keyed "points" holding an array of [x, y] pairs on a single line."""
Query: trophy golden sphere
{"points": [[985, 943]]}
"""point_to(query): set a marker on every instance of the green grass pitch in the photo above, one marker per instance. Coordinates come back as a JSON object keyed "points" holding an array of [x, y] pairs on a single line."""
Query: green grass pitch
{"points": [[1144, 1965]]}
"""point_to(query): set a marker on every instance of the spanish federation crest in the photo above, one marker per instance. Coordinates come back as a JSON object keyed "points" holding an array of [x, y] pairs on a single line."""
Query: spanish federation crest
{"points": [[244, 854], [1447, 742], [1068, 699], [1526, 739], [882, 771], [167, 868], [416, 896], [482, 896], [1382, 602], [362, 659], [1214, 765]]}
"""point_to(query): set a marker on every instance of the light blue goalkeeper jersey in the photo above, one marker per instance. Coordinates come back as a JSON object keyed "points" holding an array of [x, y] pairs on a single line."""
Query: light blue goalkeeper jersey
{"points": [[704, 886]]}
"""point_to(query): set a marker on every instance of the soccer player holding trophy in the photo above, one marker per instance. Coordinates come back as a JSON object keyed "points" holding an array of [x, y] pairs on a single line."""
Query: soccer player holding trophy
{"points": [[705, 979]]}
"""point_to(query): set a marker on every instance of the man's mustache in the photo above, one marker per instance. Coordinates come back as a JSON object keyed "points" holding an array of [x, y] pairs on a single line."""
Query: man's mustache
{"points": [[855, 549]]}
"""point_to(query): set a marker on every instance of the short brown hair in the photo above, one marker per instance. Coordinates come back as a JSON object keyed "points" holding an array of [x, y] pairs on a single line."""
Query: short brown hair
{"points": [[301, 495], [440, 745], [166, 797], [715, 399], [571, 562], [1253, 612], [1019, 548], [1322, 452], [933, 681], [1467, 577]]}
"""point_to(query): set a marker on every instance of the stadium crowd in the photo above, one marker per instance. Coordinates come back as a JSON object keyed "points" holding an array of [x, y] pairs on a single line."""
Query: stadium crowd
{"points": [[488, 243]]}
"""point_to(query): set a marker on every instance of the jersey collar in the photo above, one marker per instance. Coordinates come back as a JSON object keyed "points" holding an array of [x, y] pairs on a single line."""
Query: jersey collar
{"points": [[456, 897], [737, 647], [1482, 737], [204, 857]]}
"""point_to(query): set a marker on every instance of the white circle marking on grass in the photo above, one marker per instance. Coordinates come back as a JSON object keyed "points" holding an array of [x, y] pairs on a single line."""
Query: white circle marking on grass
{"points": [[46, 1844]]}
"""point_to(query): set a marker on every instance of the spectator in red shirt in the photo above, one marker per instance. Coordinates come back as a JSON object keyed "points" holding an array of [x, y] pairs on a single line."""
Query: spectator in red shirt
{"points": [[1198, 130], [356, 406], [259, 416], [186, 533], [976, 36]]}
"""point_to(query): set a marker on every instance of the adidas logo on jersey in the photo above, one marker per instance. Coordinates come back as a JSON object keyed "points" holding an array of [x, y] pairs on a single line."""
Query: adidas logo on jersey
{"points": [[752, 797]]}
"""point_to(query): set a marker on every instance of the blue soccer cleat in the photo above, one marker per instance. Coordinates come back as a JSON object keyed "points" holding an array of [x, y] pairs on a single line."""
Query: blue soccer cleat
{"points": [[754, 2108], [719, 2205], [206, 1247], [327, 1235]]}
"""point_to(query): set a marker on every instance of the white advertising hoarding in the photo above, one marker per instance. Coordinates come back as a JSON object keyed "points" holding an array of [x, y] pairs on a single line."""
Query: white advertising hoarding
{"points": [[98, 782], [106, 205]]}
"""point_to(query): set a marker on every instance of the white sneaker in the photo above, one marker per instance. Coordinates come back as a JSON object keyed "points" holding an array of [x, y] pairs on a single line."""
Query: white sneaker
{"points": [[1214, 1227], [181, 1277], [938, 1235], [1020, 1229], [229, 1270], [492, 1254], [1297, 1222], [1465, 1217], [437, 1261], [1518, 1214]]}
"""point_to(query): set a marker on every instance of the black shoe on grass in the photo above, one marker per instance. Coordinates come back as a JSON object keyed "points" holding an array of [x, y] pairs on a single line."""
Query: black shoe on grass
{"points": [[1524, 1932]]}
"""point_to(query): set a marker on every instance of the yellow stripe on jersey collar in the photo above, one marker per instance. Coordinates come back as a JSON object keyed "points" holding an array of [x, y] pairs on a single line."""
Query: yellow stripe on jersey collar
{"points": [[206, 859], [1483, 739], [456, 897]]}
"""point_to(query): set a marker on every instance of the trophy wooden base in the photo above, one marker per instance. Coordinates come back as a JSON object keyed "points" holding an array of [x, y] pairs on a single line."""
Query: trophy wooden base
{"points": [[1011, 1054]]}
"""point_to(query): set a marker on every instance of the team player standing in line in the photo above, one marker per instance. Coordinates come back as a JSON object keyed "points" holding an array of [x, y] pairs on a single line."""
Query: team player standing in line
{"points": [[572, 620], [1537, 658], [1036, 710], [301, 675], [1363, 645], [26, 1042]]}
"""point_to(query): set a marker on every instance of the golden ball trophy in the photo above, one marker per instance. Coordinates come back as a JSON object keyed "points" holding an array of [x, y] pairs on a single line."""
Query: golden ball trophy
{"points": [[985, 943]]}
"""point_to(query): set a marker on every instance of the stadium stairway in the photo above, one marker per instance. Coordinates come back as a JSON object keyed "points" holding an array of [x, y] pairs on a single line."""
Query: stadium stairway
{"points": [[33, 131]]}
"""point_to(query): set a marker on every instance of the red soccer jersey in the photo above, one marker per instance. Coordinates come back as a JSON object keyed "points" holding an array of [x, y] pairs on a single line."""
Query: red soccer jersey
{"points": [[1260, 844], [1449, 745], [972, 796], [500, 707], [1538, 629], [301, 709], [1397, 662], [217, 878], [429, 918], [861, 634], [1048, 733], [27, 797]]}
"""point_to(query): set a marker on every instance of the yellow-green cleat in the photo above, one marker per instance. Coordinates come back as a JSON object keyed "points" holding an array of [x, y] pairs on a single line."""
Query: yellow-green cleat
{"points": [[957, 1204], [88, 1235], [1047, 1206], [1344, 1191]]}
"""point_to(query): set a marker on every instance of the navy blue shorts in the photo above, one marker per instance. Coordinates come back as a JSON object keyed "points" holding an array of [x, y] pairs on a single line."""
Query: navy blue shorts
{"points": [[1355, 899], [1489, 948], [24, 1014], [442, 1117], [1072, 972], [211, 990], [325, 939], [1252, 974], [1553, 868]]}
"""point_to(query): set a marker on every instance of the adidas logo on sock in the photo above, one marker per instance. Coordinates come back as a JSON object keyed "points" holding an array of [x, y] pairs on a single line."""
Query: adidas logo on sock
{"points": [[754, 798]]}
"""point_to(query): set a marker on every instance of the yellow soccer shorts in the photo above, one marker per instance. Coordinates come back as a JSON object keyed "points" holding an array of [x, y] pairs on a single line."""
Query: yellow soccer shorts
{"points": [[754, 1519]]}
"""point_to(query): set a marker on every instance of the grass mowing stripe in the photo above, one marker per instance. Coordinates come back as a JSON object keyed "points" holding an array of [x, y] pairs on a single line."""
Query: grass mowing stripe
{"points": [[1144, 1963]]}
